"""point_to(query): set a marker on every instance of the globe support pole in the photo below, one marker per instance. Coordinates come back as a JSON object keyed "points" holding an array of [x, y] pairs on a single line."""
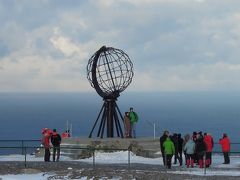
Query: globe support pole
{"points": [[109, 117]]}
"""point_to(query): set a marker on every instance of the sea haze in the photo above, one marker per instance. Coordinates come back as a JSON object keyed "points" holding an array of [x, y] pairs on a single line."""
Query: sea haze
{"points": [[23, 115]]}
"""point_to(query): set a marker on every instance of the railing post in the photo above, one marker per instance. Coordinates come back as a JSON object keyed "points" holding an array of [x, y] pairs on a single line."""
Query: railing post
{"points": [[25, 158], [22, 147], [165, 159], [93, 158], [204, 163], [154, 131], [129, 158]]}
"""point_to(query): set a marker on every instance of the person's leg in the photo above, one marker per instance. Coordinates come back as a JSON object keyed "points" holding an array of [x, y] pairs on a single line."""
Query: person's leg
{"points": [[192, 160], [180, 158], [226, 158], [163, 157], [47, 155], [196, 158], [175, 158], [58, 153], [54, 153], [210, 153], [207, 162], [131, 130], [185, 157], [188, 160], [200, 160], [134, 130], [169, 161]]}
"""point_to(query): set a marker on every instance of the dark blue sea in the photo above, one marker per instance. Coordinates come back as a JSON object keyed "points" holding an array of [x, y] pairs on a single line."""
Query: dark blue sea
{"points": [[23, 115]]}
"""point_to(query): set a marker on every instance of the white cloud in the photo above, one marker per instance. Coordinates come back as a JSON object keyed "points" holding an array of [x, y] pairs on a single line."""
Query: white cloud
{"points": [[37, 73], [66, 46], [174, 45], [195, 77]]}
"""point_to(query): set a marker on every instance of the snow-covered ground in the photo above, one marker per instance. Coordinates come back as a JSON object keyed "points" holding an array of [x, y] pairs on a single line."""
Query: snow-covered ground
{"points": [[121, 157], [39, 176]]}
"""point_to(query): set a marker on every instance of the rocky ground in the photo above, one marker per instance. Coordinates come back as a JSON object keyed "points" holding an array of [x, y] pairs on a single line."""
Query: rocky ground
{"points": [[76, 170]]}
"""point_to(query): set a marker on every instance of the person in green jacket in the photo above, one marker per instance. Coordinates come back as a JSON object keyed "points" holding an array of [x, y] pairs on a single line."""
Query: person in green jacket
{"points": [[169, 150], [133, 120]]}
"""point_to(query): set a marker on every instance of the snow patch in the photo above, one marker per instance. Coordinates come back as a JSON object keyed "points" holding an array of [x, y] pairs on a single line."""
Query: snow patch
{"points": [[39, 176]]}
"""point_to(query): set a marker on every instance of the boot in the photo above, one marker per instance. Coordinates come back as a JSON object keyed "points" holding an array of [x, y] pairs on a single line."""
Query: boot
{"points": [[200, 162], [188, 163], [192, 163]]}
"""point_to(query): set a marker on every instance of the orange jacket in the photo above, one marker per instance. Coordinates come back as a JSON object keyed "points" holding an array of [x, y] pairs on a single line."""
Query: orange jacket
{"points": [[225, 142]]}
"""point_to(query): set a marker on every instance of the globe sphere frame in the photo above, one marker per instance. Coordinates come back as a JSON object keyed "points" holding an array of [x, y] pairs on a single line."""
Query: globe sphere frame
{"points": [[110, 72]]}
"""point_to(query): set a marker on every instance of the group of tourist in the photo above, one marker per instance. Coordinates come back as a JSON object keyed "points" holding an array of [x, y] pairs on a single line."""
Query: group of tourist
{"points": [[130, 121], [51, 137], [197, 149]]}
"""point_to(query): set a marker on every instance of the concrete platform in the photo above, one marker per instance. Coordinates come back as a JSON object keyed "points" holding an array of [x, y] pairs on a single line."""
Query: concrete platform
{"points": [[144, 146]]}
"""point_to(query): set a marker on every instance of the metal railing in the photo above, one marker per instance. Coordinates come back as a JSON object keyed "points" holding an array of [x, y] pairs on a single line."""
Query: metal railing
{"points": [[24, 151], [22, 143], [92, 150]]}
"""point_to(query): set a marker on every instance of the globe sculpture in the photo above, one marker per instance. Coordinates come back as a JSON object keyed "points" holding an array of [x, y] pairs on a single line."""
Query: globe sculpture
{"points": [[109, 71]]}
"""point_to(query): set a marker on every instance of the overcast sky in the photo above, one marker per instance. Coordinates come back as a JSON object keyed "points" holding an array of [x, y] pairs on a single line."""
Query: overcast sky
{"points": [[175, 45]]}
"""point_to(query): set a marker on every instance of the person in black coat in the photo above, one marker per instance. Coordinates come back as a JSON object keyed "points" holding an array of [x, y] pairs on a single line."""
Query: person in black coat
{"points": [[194, 138], [180, 148], [162, 139], [174, 139], [56, 141], [200, 150]]}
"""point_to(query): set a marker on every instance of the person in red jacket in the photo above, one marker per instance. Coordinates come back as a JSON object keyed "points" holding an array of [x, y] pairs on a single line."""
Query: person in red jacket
{"points": [[225, 142], [208, 139], [46, 135]]}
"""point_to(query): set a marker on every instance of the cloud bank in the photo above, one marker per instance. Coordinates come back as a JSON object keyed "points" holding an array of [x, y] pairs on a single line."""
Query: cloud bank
{"points": [[186, 45]]}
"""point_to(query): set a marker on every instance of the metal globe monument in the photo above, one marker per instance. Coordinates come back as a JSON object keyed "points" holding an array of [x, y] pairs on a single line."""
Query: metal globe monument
{"points": [[109, 71]]}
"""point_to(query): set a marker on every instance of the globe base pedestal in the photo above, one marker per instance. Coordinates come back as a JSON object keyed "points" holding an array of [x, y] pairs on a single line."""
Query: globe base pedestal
{"points": [[109, 118]]}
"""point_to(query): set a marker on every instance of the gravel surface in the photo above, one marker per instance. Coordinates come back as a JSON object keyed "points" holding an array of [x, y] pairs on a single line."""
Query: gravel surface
{"points": [[76, 170]]}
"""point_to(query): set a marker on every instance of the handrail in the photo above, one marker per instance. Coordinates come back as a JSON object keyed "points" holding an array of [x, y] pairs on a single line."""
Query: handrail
{"points": [[62, 147], [39, 140], [20, 140], [93, 150]]}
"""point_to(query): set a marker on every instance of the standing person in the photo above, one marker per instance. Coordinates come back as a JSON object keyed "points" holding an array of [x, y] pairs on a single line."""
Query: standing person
{"points": [[225, 142], [180, 148], [133, 119], [169, 150], [186, 138], [127, 125], [46, 143], [174, 139], [189, 148], [162, 140], [194, 138], [208, 139], [56, 141], [200, 149]]}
